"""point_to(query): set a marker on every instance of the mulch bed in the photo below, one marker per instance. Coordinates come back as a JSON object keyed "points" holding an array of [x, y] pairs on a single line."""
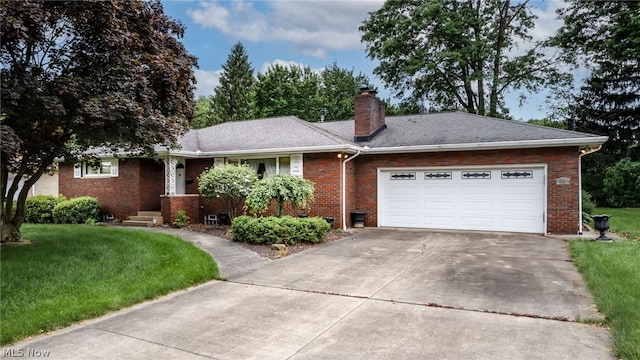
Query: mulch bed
{"points": [[224, 232]]}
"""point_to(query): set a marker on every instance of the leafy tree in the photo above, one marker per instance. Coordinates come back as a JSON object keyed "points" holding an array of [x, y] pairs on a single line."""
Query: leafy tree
{"points": [[231, 100], [622, 184], [286, 90], [203, 116], [548, 123], [281, 188], [604, 36], [458, 54], [75, 75], [230, 183], [298, 91], [336, 93]]}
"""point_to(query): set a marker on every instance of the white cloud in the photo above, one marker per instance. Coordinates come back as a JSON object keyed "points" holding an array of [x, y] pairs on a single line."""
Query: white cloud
{"points": [[312, 27], [207, 81], [267, 65]]}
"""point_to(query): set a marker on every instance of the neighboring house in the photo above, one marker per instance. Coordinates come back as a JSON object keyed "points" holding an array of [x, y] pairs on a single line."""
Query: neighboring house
{"points": [[46, 185], [449, 170]]}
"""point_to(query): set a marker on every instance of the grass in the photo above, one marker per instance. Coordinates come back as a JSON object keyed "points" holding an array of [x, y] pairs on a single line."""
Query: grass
{"points": [[625, 222], [612, 272], [75, 272]]}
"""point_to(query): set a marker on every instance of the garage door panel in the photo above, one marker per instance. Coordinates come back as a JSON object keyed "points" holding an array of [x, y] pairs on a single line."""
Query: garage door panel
{"points": [[519, 206], [404, 190], [519, 191], [404, 220], [476, 222], [496, 202], [431, 188], [402, 205], [436, 221], [479, 191], [517, 224], [476, 205], [435, 206]]}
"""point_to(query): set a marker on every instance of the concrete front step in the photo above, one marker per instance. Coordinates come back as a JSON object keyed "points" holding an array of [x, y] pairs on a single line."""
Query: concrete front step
{"points": [[145, 218], [137, 223], [150, 213], [159, 219]]}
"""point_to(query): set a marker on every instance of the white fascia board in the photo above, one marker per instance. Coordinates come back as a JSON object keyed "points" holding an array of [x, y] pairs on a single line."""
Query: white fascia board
{"points": [[306, 150], [523, 144]]}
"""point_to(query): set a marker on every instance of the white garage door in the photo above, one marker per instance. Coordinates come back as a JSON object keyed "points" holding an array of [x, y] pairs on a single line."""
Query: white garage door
{"points": [[496, 199]]}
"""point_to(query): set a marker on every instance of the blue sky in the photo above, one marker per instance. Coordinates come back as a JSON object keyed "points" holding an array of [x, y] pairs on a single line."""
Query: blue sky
{"points": [[312, 33]]}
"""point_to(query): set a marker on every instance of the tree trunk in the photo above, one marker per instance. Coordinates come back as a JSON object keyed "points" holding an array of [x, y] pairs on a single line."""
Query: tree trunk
{"points": [[497, 61], [10, 232]]}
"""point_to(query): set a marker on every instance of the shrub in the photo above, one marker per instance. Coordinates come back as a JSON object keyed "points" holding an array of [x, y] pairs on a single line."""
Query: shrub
{"points": [[588, 207], [77, 210], [622, 184], [272, 230], [181, 220], [39, 209], [281, 188], [230, 183]]}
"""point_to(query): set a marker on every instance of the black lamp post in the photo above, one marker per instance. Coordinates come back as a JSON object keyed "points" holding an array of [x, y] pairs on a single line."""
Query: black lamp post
{"points": [[601, 223]]}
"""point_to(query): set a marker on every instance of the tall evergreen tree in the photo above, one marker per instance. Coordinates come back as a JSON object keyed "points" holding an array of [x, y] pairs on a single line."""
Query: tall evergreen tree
{"points": [[232, 98], [604, 35]]}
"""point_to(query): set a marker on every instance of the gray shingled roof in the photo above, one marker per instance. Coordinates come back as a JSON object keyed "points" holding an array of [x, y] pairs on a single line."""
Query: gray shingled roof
{"points": [[261, 135], [413, 132], [453, 128]]}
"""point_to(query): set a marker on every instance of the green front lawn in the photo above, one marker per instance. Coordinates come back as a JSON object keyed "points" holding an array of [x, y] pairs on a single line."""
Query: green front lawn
{"points": [[75, 272], [612, 272], [625, 222]]}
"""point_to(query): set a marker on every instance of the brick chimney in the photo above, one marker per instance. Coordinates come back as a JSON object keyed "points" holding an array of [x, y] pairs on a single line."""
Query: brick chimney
{"points": [[369, 115]]}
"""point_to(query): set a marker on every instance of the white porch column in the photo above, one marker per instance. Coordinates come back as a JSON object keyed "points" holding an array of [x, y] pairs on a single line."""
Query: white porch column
{"points": [[170, 163]]}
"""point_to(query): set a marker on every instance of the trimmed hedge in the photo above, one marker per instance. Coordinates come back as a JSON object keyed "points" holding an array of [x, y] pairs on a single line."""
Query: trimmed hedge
{"points": [[284, 230], [78, 210], [39, 209]]}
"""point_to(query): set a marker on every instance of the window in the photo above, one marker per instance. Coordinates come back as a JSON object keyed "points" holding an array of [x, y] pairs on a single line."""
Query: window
{"points": [[105, 168], [266, 167]]}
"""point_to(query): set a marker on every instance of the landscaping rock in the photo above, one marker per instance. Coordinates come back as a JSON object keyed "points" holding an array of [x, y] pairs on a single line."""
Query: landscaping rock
{"points": [[279, 247]]}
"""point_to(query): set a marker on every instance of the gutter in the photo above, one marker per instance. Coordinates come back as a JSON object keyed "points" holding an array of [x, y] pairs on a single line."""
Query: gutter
{"points": [[344, 189], [583, 152], [351, 149], [522, 144]]}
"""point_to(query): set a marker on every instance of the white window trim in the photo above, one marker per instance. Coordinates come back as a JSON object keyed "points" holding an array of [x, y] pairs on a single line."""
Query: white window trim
{"points": [[80, 170], [292, 158]]}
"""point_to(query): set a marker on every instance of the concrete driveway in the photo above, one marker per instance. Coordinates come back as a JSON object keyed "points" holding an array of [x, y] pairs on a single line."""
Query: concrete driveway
{"points": [[383, 294]]}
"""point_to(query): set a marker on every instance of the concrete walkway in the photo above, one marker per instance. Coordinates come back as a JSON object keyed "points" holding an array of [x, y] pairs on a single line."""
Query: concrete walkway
{"points": [[381, 294]]}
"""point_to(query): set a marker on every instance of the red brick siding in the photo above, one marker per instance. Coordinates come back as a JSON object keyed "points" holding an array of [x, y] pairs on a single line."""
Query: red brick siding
{"points": [[562, 200], [117, 195], [369, 114], [189, 203], [325, 170]]}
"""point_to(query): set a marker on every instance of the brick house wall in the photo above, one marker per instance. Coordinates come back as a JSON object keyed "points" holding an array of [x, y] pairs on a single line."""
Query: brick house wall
{"points": [[325, 171], [562, 200], [117, 195], [140, 184]]}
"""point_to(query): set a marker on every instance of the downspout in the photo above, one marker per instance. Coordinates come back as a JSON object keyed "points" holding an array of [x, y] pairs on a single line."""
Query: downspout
{"points": [[583, 152], [344, 189]]}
